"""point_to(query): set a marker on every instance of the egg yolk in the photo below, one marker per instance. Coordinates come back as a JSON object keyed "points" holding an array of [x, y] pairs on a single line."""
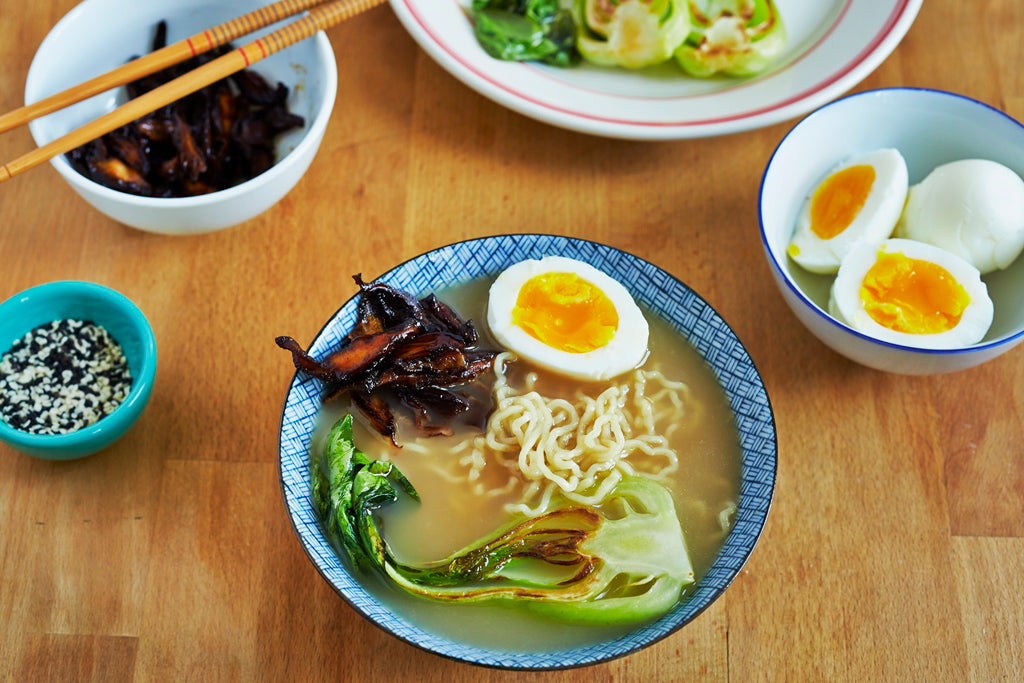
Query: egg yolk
{"points": [[839, 199], [565, 312], [912, 296]]}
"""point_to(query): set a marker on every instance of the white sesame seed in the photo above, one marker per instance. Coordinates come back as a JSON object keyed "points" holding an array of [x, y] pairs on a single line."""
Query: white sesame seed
{"points": [[49, 382]]}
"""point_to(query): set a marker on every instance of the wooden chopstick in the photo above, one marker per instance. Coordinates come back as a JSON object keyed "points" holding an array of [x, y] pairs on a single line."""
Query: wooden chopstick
{"points": [[319, 18], [157, 60]]}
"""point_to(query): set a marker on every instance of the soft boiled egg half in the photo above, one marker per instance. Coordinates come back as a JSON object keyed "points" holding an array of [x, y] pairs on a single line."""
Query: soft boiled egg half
{"points": [[567, 317], [911, 293], [859, 200]]}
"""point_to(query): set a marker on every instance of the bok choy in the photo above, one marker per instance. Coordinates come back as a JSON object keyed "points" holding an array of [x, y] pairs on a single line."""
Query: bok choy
{"points": [[624, 562], [526, 30], [630, 33], [705, 37], [734, 37]]}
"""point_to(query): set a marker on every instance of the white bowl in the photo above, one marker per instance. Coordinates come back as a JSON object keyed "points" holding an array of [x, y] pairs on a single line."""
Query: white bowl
{"points": [[98, 35], [930, 128]]}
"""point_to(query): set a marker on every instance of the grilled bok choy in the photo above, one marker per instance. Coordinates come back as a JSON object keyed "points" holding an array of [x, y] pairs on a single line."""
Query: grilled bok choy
{"points": [[630, 33], [625, 562], [734, 37], [526, 30]]}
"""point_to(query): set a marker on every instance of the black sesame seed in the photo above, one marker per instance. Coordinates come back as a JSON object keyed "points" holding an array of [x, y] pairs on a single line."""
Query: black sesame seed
{"points": [[61, 377]]}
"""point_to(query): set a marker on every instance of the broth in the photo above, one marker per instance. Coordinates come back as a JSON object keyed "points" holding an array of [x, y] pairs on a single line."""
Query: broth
{"points": [[450, 516]]}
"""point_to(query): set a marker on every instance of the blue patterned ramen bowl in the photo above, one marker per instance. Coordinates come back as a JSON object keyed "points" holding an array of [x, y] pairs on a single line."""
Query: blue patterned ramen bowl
{"points": [[659, 294]]}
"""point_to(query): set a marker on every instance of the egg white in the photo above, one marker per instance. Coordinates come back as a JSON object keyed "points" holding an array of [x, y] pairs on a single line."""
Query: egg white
{"points": [[873, 223], [846, 305], [626, 350], [973, 208]]}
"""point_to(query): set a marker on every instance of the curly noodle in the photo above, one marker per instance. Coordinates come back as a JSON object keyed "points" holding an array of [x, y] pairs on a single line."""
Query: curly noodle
{"points": [[580, 448]]}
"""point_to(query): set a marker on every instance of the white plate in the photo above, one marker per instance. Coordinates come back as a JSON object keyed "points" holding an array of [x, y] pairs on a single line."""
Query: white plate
{"points": [[832, 46]]}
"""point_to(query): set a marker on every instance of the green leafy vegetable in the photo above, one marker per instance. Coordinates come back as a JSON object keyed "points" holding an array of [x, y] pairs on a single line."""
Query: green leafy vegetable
{"points": [[624, 562], [705, 37], [526, 30], [630, 33], [735, 37], [346, 488]]}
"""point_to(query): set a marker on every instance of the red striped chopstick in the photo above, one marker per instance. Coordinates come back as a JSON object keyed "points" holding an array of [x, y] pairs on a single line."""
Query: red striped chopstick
{"points": [[321, 17]]}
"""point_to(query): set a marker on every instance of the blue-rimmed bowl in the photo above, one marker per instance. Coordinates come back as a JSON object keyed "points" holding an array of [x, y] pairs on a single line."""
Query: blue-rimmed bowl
{"points": [[660, 294], [929, 128], [76, 300]]}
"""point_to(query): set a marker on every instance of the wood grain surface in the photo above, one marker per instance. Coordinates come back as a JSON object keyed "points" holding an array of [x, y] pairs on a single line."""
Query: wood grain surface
{"points": [[895, 544]]}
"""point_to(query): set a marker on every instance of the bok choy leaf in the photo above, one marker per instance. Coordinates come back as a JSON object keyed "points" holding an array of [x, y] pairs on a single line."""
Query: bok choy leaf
{"points": [[526, 30]]}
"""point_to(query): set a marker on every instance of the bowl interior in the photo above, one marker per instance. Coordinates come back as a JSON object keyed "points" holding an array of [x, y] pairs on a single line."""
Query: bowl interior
{"points": [[89, 41], [929, 128], [125, 323], [662, 294]]}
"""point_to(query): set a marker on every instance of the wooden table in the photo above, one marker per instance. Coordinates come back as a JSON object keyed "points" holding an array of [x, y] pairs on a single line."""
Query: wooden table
{"points": [[895, 544]]}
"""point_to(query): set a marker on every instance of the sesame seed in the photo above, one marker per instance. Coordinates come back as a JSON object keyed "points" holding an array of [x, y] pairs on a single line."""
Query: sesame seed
{"points": [[61, 377]]}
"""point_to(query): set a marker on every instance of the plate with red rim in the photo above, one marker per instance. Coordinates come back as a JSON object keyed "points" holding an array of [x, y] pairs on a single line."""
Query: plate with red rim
{"points": [[832, 45]]}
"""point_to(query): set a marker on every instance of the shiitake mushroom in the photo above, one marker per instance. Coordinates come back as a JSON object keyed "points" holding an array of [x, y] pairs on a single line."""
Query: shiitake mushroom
{"points": [[213, 139], [402, 351]]}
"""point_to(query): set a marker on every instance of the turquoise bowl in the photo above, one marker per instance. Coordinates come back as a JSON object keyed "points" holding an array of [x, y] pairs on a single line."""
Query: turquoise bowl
{"points": [[126, 324]]}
